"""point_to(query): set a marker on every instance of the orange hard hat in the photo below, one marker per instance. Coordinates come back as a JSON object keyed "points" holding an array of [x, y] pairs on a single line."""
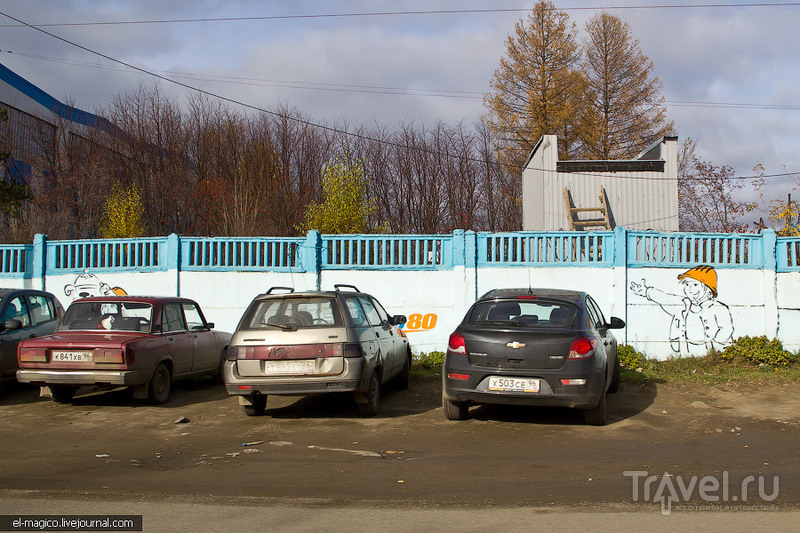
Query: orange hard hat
{"points": [[705, 275]]}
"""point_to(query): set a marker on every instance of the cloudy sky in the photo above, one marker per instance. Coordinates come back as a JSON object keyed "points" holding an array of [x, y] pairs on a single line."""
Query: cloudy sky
{"points": [[729, 70]]}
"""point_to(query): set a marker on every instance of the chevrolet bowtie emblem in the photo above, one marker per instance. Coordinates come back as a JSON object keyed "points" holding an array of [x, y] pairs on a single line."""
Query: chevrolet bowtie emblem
{"points": [[515, 344]]}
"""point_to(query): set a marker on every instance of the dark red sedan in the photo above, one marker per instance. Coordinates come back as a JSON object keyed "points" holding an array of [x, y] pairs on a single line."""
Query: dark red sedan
{"points": [[123, 341]]}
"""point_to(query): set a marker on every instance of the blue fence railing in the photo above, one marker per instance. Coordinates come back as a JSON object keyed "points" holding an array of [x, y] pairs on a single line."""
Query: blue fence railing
{"points": [[117, 254], [241, 253], [315, 252], [406, 252], [14, 259], [690, 249], [551, 248]]}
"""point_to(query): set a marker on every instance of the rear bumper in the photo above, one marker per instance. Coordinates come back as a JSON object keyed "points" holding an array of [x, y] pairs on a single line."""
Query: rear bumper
{"points": [[349, 380], [81, 377], [552, 393]]}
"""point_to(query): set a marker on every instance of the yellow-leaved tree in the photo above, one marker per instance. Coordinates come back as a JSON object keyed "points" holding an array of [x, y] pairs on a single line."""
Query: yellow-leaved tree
{"points": [[123, 213], [538, 88], [345, 207]]}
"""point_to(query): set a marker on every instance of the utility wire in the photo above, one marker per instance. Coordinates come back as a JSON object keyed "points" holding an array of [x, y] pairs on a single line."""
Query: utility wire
{"points": [[314, 124], [373, 89], [363, 14]]}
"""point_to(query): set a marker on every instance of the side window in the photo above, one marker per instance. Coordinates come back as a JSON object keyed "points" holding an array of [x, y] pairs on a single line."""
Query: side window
{"points": [[18, 309], [356, 312], [381, 311], [372, 314], [172, 318], [194, 320], [595, 313], [42, 309]]}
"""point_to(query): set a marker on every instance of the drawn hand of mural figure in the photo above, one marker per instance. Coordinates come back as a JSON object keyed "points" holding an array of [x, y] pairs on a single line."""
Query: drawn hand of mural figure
{"points": [[700, 322]]}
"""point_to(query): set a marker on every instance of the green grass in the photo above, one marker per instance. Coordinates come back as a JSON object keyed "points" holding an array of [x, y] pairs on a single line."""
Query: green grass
{"points": [[427, 366], [714, 368]]}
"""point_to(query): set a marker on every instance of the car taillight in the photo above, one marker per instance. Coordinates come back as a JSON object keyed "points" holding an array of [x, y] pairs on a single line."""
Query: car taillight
{"points": [[457, 344], [32, 355], [582, 348], [108, 356], [351, 349], [295, 351], [456, 375], [231, 353]]}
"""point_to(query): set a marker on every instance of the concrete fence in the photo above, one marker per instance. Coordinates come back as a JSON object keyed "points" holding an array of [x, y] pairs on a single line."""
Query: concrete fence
{"points": [[748, 284]]}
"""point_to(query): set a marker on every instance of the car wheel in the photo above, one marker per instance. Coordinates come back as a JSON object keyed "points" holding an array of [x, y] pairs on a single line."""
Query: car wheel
{"points": [[62, 393], [257, 407], [159, 386], [454, 410], [373, 397], [597, 415], [614, 386], [403, 379]]}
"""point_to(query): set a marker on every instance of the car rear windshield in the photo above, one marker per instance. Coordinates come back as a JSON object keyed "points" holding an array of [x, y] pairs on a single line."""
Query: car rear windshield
{"points": [[306, 312], [98, 315], [528, 312]]}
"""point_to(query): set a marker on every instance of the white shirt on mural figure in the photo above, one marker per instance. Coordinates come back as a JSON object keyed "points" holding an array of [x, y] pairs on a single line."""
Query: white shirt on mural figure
{"points": [[700, 322]]}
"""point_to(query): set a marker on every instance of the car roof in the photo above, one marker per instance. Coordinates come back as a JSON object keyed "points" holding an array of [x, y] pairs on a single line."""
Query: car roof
{"points": [[6, 291], [563, 294], [139, 299], [305, 294]]}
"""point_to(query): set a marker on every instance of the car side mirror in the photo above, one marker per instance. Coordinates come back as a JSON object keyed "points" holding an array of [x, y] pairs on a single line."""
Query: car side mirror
{"points": [[616, 323], [12, 324], [210, 325], [398, 320]]}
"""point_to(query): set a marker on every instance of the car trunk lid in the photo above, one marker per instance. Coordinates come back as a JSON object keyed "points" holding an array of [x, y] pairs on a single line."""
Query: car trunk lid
{"points": [[515, 348]]}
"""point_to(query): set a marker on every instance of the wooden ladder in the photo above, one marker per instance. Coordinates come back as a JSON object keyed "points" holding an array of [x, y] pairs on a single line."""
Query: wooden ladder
{"points": [[576, 223]]}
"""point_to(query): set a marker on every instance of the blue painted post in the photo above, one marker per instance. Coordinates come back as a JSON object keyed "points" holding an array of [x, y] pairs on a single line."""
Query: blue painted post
{"points": [[38, 263], [620, 262], [311, 256], [172, 254], [769, 242]]}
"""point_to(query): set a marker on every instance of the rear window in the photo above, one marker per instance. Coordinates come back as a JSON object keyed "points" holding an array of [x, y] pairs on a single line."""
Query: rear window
{"points": [[120, 316], [311, 312], [524, 313]]}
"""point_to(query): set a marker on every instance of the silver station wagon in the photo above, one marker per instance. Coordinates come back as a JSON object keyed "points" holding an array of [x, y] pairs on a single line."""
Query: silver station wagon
{"points": [[301, 343]]}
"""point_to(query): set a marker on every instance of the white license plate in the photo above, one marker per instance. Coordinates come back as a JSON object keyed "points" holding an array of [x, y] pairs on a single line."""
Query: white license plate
{"points": [[71, 357], [306, 366], [499, 383]]}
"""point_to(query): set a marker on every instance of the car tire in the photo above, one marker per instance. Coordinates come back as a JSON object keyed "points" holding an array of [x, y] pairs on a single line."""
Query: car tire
{"points": [[373, 397], [403, 379], [257, 406], [159, 386], [216, 377], [62, 393], [454, 410], [597, 415], [615, 377]]}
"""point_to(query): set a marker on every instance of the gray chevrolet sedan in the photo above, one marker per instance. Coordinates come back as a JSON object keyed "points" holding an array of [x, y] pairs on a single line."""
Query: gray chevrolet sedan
{"points": [[544, 347]]}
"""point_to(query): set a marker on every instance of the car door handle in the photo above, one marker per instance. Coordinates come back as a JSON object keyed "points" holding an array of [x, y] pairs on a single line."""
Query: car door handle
{"points": [[377, 333]]}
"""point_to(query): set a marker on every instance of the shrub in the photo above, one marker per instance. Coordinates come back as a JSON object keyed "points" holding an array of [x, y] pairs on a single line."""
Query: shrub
{"points": [[429, 361], [758, 351], [629, 357]]}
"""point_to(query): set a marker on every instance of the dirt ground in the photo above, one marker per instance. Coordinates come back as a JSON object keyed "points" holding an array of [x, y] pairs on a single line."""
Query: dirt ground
{"points": [[316, 450]]}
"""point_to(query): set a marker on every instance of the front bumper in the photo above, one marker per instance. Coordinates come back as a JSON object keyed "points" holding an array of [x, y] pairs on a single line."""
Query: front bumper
{"points": [[81, 377], [350, 379]]}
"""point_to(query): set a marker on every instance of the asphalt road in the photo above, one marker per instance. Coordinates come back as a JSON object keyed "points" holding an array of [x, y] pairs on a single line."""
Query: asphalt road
{"points": [[670, 454]]}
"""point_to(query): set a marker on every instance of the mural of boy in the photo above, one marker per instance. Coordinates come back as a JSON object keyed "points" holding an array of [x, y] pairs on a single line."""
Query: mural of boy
{"points": [[699, 321]]}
